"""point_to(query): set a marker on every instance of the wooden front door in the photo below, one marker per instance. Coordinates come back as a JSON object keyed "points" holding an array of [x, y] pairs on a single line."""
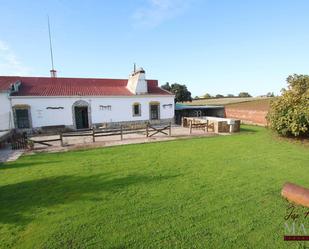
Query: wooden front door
{"points": [[154, 111], [81, 117]]}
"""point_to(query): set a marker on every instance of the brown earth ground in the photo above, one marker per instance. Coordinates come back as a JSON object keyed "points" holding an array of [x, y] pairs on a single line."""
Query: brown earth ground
{"points": [[257, 104], [225, 101], [249, 112]]}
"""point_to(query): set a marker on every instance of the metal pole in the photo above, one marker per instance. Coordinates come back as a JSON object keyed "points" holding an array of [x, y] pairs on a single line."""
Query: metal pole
{"points": [[61, 139], [121, 133], [50, 45], [170, 129]]}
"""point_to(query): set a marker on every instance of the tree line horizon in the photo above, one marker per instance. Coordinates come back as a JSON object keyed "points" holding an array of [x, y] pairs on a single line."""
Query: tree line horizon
{"points": [[182, 94]]}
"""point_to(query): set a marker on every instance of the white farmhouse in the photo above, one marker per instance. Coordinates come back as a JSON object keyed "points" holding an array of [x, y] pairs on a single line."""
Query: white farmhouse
{"points": [[78, 103]]}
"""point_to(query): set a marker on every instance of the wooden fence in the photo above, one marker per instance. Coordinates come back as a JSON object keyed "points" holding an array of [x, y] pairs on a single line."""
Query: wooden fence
{"points": [[153, 130], [149, 131], [18, 141], [196, 123]]}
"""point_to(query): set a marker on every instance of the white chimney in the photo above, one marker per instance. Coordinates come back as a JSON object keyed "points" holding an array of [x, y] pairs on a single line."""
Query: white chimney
{"points": [[53, 73], [137, 83]]}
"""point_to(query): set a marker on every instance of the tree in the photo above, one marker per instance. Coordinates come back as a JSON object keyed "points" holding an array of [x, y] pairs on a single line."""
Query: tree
{"points": [[196, 97], [207, 96], [219, 96], [181, 91], [167, 87], [270, 94], [289, 113], [230, 95], [244, 95]]}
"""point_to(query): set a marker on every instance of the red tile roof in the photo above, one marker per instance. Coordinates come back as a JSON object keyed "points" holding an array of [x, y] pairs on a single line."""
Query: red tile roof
{"points": [[5, 83], [46, 86]]}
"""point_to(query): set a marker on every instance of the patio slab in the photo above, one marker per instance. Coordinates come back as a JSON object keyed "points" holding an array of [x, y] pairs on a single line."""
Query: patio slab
{"points": [[9, 155]]}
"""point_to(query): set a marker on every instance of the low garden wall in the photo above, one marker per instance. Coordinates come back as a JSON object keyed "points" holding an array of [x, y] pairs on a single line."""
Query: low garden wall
{"points": [[247, 116]]}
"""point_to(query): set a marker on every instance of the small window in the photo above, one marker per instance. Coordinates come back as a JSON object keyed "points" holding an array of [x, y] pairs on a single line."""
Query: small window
{"points": [[136, 109]]}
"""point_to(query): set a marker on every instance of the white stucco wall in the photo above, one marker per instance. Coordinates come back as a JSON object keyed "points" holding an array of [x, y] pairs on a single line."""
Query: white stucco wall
{"points": [[5, 110], [121, 109]]}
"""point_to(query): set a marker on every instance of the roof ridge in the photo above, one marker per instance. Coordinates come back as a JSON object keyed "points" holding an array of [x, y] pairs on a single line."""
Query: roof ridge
{"points": [[47, 86], [79, 78]]}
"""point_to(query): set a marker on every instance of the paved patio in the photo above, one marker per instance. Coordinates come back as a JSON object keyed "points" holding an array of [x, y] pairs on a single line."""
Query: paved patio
{"points": [[76, 143], [9, 155]]}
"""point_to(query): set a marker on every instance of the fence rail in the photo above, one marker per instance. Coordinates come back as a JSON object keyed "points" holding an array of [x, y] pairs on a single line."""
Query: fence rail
{"points": [[153, 130], [149, 131], [197, 123]]}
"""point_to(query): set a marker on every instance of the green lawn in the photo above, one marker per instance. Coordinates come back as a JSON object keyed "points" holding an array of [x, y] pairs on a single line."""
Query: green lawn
{"points": [[217, 192]]}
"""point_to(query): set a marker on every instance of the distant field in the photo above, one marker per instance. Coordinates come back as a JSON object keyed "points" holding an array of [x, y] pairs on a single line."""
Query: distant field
{"points": [[227, 101], [257, 104]]}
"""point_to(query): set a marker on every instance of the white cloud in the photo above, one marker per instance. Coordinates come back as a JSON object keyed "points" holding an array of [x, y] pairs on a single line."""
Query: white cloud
{"points": [[159, 11], [9, 62]]}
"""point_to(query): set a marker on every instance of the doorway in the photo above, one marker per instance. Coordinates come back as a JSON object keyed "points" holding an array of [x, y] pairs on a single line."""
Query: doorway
{"points": [[154, 111], [22, 117], [81, 117]]}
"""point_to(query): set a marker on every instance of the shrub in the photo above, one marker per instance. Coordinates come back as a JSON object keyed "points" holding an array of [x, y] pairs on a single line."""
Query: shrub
{"points": [[219, 96], [207, 96], [289, 113], [244, 95]]}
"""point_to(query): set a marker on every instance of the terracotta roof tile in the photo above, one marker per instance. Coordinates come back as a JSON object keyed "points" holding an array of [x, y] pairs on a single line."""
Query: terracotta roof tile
{"points": [[46, 86]]}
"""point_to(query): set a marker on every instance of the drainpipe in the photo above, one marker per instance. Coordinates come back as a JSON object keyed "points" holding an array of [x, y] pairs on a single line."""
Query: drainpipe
{"points": [[11, 123]]}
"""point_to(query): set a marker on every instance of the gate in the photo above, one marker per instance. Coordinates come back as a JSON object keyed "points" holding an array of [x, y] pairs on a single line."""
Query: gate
{"points": [[19, 141]]}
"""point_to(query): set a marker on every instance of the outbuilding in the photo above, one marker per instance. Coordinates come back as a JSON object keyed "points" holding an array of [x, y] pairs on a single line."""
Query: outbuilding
{"points": [[183, 110]]}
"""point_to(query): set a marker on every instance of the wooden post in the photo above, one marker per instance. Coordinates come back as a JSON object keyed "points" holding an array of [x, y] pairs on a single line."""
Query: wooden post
{"points": [[170, 129], [190, 126], [147, 129], [61, 139], [121, 133], [93, 135], [182, 121], [207, 124]]}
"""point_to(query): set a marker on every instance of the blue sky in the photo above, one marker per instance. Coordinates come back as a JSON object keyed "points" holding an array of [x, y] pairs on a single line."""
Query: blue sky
{"points": [[211, 46]]}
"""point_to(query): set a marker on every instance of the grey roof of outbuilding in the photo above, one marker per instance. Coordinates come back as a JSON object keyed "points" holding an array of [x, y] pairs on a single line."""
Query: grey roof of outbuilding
{"points": [[194, 107]]}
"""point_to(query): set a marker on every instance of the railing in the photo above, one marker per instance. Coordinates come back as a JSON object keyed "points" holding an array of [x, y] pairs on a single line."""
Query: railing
{"points": [[153, 130], [197, 123], [149, 131], [19, 141]]}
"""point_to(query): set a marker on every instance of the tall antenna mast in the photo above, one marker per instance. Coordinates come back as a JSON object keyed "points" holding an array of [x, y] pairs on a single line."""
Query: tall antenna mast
{"points": [[52, 71]]}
